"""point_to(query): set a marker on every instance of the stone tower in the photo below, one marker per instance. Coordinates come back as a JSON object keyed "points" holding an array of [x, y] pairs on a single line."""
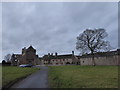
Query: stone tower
{"points": [[29, 55]]}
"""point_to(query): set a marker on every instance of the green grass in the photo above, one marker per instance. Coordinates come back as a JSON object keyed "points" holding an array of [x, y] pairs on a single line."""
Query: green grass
{"points": [[83, 76], [0, 75], [11, 73]]}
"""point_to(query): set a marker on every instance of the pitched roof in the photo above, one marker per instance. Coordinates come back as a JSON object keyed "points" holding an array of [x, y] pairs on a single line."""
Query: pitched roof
{"points": [[46, 57], [17, 54], [30, 47], [100, 54]]}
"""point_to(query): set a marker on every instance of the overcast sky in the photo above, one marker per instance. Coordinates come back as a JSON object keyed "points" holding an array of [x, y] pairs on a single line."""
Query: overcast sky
{"points": [[53, 27]]}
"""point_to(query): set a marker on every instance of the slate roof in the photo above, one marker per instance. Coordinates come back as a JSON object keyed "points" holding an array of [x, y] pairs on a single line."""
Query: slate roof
{"points": [[45, 57], [17, 55], [102, 54], [30, 48]]}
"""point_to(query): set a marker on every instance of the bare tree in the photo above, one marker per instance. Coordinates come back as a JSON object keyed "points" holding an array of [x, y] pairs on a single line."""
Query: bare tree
{"points": [[7, 57], [92, 41]]}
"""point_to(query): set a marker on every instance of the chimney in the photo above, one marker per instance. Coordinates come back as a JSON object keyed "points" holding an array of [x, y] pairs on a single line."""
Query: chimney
{"points": [[55, 53], [118, 51], [23, 50], [51, 54], [73, 53], [48, 54]]}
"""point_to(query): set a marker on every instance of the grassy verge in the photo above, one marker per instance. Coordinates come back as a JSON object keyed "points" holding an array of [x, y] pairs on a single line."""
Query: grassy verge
{"points": [[12, 73], [83, 76]]}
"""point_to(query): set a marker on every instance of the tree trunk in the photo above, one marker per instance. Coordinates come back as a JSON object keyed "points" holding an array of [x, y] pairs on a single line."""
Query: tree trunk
{"points": [[93, 60]]}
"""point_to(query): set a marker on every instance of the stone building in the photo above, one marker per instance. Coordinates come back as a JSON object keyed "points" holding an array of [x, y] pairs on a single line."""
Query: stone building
{"points": [[59, 59], [28, 56], [101, 58]]}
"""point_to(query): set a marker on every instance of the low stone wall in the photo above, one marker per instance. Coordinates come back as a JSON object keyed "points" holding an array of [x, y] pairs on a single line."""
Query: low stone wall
{"points": [[111, 60], [101, 60]]}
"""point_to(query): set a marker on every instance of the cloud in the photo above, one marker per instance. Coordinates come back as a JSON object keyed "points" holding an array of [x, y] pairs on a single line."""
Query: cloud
{"points": [[54, 26]]}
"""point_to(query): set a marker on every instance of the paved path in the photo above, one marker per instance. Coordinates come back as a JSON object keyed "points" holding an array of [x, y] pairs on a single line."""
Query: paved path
{"points": [[36, 80]]}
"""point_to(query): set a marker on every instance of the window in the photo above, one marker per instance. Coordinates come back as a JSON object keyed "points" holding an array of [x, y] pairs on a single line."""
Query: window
{"points": [[30, 61]]}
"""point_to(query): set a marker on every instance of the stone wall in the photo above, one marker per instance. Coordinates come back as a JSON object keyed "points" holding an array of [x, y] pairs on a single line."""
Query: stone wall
{"points": [[111, 60], [108, 58]]}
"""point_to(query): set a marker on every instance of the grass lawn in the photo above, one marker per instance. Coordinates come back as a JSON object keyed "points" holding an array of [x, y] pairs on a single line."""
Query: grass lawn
{"points": [[0, 75], [11, 73], [83, 76]]}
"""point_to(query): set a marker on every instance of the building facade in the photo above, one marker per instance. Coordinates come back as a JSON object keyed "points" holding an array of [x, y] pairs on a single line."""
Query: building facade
{"points": [[28, 56], [59, 59]]}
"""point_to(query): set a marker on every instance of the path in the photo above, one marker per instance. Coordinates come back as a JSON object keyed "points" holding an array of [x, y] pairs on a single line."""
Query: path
{"points": [[36, 80]]}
